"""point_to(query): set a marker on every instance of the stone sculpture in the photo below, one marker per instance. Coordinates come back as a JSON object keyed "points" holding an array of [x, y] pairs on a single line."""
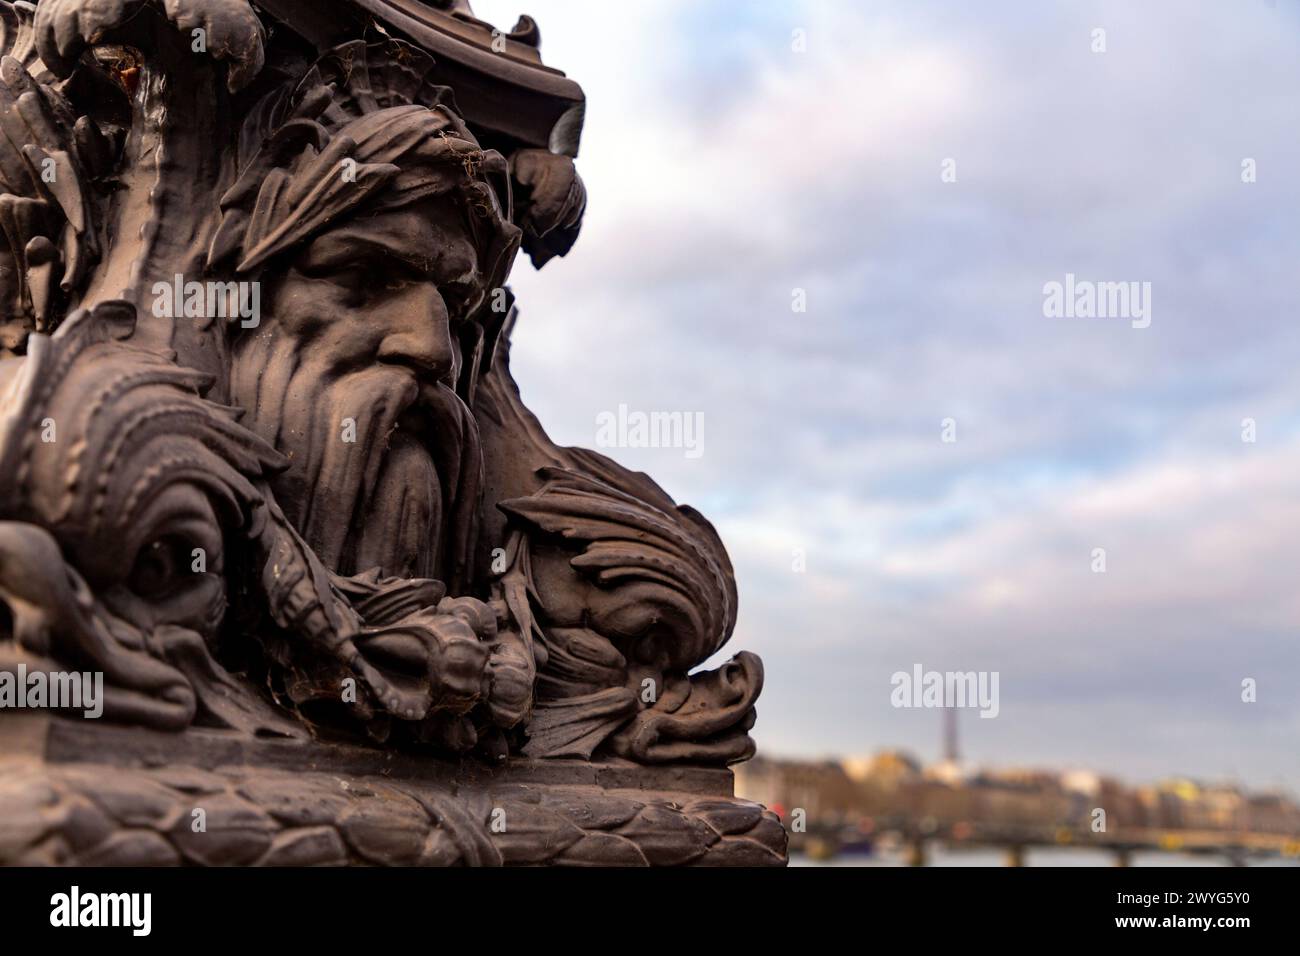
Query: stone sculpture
{"points": [[263, 466]]}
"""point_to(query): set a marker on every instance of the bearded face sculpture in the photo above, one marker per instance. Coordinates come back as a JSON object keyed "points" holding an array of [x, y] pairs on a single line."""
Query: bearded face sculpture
{"points": [[357, 373], [353, 378], [338, 519]]}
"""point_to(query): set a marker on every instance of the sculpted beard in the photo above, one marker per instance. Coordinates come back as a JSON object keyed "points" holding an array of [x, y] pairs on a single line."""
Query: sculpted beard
{"points": [[399, 495]]}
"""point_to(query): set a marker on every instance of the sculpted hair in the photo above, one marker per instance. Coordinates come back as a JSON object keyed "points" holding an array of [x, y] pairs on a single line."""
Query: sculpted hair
{"points": [[364, 128]]}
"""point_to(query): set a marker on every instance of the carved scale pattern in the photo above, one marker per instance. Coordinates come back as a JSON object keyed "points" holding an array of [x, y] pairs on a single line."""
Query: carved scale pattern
{"points": [[75, 814]]}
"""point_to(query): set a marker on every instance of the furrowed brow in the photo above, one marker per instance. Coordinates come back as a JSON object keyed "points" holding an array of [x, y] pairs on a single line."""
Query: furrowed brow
{"points": [[345, 249]]}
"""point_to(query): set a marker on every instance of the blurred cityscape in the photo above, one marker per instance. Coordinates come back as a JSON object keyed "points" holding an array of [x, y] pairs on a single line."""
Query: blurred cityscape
{"points": [[890, 802]]}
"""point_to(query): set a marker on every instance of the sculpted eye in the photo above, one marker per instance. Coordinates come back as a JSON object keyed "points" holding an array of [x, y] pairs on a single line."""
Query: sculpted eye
{"points": [[160, 565]]}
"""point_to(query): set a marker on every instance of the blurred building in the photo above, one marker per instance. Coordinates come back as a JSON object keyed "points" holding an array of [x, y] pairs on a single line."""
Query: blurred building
{"points": [[893, 785]]}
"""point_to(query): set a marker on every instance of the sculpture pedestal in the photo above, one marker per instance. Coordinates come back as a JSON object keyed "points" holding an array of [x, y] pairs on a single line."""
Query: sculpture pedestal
{"points": [[72, 792]]}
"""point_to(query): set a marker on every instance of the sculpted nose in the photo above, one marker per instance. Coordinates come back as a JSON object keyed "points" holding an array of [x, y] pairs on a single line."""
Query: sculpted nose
{"points": [[420, 338]]}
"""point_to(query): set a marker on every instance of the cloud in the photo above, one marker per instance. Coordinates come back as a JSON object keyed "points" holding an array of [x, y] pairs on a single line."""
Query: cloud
{"points": [[725, 171]]}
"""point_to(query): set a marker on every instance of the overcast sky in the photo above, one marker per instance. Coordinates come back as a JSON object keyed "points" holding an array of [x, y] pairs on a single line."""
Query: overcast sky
{"points": [[726, 169]]}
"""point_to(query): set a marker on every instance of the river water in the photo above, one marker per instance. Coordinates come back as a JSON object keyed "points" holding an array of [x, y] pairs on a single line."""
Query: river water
{"points": [[1047, 856]]}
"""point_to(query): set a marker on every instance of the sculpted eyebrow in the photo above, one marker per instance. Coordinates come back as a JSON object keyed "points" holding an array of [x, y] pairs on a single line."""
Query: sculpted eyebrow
{"points": [[346, 249]]}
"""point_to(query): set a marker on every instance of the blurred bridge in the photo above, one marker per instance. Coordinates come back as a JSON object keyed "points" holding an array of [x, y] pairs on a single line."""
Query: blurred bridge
{"points": [[825, 841]]}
